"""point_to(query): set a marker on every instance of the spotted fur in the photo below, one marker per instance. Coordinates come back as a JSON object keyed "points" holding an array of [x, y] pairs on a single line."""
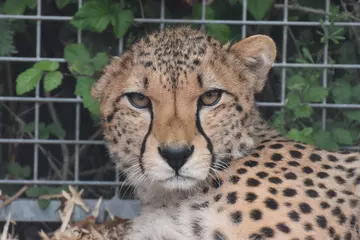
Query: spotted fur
{"points": [[243, 180]]}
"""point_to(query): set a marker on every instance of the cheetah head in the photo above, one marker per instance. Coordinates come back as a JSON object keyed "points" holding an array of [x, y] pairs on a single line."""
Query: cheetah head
{"points": [[178, 105]]}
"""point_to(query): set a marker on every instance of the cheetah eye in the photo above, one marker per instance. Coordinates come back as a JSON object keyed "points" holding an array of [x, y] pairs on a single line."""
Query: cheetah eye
{"points": [[138, 100], [210, 98]]}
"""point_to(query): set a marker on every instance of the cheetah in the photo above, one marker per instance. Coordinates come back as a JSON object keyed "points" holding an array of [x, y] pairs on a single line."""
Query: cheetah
{"points": [[180, 121]]}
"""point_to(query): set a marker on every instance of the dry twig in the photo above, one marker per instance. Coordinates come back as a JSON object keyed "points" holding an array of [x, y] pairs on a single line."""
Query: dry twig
{"points": [[64, 147], [17, 194], [4, 234], [49, 156]]}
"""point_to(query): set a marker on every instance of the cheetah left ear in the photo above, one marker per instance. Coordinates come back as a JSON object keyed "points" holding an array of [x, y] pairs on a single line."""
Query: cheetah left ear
{"points": [[258, 53]]}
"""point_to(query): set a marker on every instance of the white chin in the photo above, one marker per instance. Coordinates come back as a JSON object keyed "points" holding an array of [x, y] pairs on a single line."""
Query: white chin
{"points": [[179, 183]]}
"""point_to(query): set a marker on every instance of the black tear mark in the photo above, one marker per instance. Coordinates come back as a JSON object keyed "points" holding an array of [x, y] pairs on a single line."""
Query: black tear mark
{"points": [[201, 131], [143, 144]]}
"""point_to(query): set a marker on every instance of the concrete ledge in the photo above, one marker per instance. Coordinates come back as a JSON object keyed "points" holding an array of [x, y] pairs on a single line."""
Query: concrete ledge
{"points": [[28, 210]]}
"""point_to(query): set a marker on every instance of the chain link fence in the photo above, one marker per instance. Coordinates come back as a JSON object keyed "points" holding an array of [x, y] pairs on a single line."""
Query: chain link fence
{"points": [[26, 209]]}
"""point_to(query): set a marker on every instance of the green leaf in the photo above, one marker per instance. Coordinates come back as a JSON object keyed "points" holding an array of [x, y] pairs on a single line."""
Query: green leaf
{"points": [[29, 128], [313, 77], [26, 171], [16, 7], [355, 133], [303, 111], [100, 60], [83, 69], [303, 135], [122, 21], [56, 130], [277, 121], [347, 53], [34, 192], [295, 134], [6, 39], [60, 4], [52, 80], [31, 4], [293, 100], [356, 92], [307, 55], [353, 115], [342, 92], [18, 171], [300, 60], [83, 85], [78, 58], [26, 81], [76, 52], [44, 203], [43, 132], [83, 89], [219, 31], [259, 8], [197, 12], [342, 136], [324, 139], [296, 82], [46, 65], [92, 105], [95, 16], [315, 94]]}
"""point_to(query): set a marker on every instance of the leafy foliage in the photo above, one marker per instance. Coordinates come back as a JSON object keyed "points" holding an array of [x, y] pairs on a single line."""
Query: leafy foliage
{"points": [[15, 170], [45, 130], [305, 87], [80, 62], [97, 15], [6, 39], [60, 4], [28, 80], [258, 8], [122, 21], [18, 7], [46, 65], [52, 80], [83, 89]]}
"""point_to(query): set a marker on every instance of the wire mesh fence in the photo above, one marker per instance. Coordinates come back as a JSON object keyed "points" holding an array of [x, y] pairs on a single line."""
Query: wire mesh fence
{"points": [[25, 209]]}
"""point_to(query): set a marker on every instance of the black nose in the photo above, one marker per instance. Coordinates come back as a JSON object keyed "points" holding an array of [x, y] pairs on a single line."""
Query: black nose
{"points": [[176, 157]]}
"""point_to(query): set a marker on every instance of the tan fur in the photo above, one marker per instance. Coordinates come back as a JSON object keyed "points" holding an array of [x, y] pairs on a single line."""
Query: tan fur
{"points": [[210, 201]]}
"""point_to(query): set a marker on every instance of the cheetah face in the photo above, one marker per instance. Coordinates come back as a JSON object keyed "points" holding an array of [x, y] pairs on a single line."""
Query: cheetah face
{"points": [[176, 105]]}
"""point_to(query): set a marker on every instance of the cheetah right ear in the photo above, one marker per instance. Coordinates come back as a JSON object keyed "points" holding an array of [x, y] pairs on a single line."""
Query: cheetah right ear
{"points": [[258, 52]]}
